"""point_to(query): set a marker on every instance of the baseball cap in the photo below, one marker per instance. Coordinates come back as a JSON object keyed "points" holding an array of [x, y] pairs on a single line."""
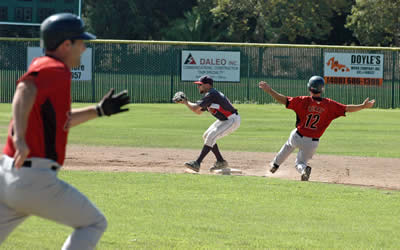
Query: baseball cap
{"points": [[205, 80]]}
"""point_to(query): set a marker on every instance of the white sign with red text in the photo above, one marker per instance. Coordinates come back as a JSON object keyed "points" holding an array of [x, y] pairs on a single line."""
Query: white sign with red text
{"points": [[81, 73], [222, 66]]}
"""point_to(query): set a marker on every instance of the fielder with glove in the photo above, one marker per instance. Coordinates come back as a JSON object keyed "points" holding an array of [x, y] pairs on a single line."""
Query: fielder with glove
{"points": [[228, 120]]}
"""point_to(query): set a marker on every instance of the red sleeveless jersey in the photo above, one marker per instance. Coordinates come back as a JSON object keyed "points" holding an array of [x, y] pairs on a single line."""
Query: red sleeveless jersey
{"points": [[314, 114], [48, 123]]}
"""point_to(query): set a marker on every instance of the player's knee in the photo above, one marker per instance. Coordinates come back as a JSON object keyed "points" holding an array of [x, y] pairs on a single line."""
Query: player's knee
{"points": [[209, 141], [101, 223]]}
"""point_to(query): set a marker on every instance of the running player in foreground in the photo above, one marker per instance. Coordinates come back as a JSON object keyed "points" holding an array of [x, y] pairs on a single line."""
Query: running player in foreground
{"points": [[314, 114], [37, 139]]}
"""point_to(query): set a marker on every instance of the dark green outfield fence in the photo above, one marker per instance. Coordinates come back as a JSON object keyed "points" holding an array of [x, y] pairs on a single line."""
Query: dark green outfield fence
{"points": [[150, 71]]}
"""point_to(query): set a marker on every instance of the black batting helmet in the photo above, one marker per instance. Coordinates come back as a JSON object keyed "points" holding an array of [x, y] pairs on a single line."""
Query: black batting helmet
{"points": [[316, 84], [60, 27]]}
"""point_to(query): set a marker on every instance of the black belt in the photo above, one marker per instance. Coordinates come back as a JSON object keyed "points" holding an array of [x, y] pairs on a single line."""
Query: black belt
{"points": [[28, 164], [314, 139]]}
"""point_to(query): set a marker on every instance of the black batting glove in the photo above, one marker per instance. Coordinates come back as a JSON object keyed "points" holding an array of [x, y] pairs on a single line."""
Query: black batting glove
{"points": [[111, 104]]}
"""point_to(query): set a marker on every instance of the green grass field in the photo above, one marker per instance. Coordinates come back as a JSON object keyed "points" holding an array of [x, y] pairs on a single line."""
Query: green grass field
{"points": [[264, 128], [178, 211]]}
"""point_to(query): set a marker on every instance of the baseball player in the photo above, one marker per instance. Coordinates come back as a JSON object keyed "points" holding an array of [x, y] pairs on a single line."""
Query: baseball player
{"points": [[228, 120], [37, 138], [314, 114]]}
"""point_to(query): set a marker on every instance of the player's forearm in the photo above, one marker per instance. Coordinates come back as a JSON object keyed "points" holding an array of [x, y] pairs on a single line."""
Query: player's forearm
{"points": [[82, 115], [354, 108], [23, 101], [277, 96], [193, 107]]}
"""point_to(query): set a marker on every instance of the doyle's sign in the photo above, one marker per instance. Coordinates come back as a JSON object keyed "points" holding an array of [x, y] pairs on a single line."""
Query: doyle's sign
{"points": [[353, 68], [220, 65]]}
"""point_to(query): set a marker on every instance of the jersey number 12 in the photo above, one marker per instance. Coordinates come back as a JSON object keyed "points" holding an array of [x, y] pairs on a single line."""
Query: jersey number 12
{"points": [[312, 121]]}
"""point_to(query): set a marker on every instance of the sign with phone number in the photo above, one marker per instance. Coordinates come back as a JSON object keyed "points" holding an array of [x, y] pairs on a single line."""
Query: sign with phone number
{"points": [[81, 73]]}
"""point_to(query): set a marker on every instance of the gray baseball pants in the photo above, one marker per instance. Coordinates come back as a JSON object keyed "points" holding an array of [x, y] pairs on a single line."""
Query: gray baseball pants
{"points": [[38, 191], [307, 147], [220, 129]]}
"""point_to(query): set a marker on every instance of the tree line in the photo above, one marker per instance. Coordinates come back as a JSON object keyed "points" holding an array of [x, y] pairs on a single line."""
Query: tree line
{"points": [[339, 22]]}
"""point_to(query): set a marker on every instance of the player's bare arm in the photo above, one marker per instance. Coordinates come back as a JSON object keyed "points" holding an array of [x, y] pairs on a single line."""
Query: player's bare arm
{"points": [[277, 96], [193, 107], [109, 105], [24, 98], [82, 115], [365, 105]]}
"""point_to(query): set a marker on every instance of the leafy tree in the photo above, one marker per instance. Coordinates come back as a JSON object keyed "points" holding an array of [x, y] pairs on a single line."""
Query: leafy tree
{"points": [[132, 19], [277, 21], [193, 27], [376, 23], [196, 25]]}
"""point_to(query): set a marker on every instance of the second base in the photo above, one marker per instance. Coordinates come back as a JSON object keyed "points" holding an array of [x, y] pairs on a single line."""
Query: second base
{"points": [[227, 171]]}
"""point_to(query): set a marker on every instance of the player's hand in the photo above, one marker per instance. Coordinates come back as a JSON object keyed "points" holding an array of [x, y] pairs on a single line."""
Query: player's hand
{"points": [[368, 104], [264, 86], [21, 152], [111, 104]]}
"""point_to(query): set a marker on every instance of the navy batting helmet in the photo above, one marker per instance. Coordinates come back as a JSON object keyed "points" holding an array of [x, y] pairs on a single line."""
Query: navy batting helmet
{"points": [[316, 84], [60, 27]]}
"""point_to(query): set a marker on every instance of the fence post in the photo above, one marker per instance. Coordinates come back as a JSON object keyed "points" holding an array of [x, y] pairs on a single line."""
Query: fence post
{"points": [[393, 75], [260, 60], [172, 88], [93, 77], [171, 94], [248, 79], [322, 61]]}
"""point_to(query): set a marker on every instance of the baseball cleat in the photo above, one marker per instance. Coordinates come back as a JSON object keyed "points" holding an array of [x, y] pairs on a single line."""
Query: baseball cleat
{"points": [[306, 175], [193, 165], [273, 167], [219, 165]]}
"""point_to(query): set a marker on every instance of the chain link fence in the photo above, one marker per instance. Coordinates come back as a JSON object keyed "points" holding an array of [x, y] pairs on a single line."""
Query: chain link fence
{"points": [[151, 71]]}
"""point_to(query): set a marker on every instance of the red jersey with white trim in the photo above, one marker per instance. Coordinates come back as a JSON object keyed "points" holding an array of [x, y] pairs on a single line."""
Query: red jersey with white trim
{"points": [[48, 122], [314, 114]]}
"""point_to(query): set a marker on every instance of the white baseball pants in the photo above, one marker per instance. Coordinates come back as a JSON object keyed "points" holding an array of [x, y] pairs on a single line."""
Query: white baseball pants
{"points": [[220, 129], [38, 191], [307, 147]]}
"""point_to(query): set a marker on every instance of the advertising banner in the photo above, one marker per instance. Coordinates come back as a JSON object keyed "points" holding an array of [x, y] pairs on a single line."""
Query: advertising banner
{"points": [[353, 68], [81, 73], [219, 65]]}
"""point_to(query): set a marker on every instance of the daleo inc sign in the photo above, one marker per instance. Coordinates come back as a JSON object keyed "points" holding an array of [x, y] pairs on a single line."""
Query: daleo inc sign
{"points": [[353, 68], [220, 65]]}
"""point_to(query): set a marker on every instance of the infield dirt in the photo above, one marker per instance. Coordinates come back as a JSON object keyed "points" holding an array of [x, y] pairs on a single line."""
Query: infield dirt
{"points": [[350, 170]]}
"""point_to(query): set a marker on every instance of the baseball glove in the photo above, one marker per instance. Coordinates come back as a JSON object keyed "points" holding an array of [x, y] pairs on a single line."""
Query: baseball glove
{"points": [[179, 96], [111, 104]]}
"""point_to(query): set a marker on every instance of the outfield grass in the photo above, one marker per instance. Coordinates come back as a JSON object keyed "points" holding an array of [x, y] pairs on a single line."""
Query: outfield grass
{"points": [[264, 128], [176, 211]]}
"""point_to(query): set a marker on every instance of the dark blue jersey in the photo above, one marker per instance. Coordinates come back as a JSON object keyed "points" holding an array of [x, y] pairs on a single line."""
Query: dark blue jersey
{"points": [[217, 104]]}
